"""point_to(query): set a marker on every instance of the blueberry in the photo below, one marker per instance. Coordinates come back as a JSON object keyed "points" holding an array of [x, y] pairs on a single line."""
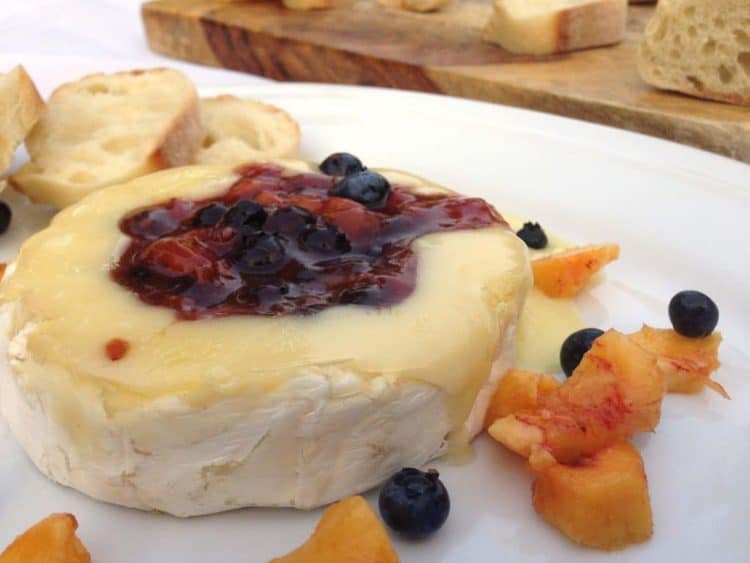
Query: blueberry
{"points": [[533, 235], [210, 215], [290, 221], [325, 240], [265, 256], [371, 296], [575, 346], [246, 214], [341, 164], [5, 216], [693, 314], [152, 224], [368, 188], [414, 503]]}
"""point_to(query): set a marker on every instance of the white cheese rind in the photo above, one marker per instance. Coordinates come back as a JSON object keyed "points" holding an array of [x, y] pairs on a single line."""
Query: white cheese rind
{"points": [[321, 438]]}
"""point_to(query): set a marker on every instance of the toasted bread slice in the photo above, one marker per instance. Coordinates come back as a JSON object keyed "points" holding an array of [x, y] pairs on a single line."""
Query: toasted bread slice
{"points": [[109, 128], [542, 27], [699, 48], [20, 108], [239, 131]]}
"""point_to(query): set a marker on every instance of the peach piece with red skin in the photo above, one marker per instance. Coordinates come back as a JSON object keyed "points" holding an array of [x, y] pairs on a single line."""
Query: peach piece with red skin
{"points": [[614, 392], [565, 273], [686, 363], [516, 391], [602, 501]]}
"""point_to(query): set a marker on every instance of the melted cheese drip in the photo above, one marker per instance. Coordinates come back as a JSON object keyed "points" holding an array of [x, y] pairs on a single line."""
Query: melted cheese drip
{"points": [[545, 322]]}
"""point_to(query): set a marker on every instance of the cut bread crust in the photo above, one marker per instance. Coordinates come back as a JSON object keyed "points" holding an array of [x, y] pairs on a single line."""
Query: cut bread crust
{"points": [[109, 128], [699, 48], [21, 106], [543, 27], [307, 4], [239, 131], [421, 6]]}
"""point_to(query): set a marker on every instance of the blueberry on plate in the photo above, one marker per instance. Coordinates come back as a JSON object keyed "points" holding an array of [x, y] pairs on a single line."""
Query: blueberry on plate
{"points": [[341, 164], [366, 187], [414, 503], [5, 216], [533, 235], [575, 346], [693, 314]]}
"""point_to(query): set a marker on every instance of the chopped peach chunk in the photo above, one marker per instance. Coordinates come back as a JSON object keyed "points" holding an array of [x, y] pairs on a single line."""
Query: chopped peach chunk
{"points": [[518, 390], [686, 363], [350, 532], [600, 502], [565, 273], [614, 392], [53, 540]]}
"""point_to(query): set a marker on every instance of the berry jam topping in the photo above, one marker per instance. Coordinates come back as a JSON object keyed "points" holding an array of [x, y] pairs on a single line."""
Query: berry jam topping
{"points": [[368, 188], [533, 235], [5, 216], [575, 347], [278, 244], [693, 314], [341, 164], [414, 503], [116, 349]]}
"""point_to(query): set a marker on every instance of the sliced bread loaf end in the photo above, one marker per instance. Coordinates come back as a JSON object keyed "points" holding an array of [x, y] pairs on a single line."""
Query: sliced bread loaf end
{"points": [[20, 108], [700, 48]]}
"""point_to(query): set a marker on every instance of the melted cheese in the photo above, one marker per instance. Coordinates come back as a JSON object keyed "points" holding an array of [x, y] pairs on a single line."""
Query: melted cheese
{"points": [[545, 322]]}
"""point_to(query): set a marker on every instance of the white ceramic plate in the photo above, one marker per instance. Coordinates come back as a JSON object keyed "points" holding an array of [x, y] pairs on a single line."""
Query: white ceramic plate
{"points": [[680, 216]]}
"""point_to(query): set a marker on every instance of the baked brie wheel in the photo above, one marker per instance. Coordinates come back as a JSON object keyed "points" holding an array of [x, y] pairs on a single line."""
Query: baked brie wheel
{"points": [[204, 339]]}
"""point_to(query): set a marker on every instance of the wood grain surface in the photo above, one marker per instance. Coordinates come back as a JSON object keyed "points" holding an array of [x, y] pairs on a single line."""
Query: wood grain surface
{"points": [[367, 44]]}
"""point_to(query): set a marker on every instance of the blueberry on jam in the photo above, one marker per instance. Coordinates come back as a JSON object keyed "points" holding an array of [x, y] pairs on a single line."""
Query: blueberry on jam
{"points": [[289, 221], [5, 216], [264, 256], [414, 503], [368, 188], [533, 235], [341, 164], [210, 215], [325, 240], [575, 346], [247, 214], [693, 314], [154, 223]]}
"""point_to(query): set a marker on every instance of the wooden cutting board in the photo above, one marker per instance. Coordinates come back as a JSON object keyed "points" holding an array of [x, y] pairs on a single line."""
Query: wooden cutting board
{"points": [[441, 52]]}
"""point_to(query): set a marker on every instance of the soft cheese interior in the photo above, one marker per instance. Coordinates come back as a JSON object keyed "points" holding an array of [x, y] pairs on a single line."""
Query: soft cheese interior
{"points": [[203, 416]]}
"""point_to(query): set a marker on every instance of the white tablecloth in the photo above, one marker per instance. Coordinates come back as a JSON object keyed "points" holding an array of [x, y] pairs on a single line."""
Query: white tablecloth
{"points": [[61, 40]]}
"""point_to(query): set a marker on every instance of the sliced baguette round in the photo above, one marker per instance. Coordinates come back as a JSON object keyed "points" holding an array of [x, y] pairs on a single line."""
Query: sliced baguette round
{"points": [[543, 27], [700, 48], [239, 131], [109, 128], [21, 106]]}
